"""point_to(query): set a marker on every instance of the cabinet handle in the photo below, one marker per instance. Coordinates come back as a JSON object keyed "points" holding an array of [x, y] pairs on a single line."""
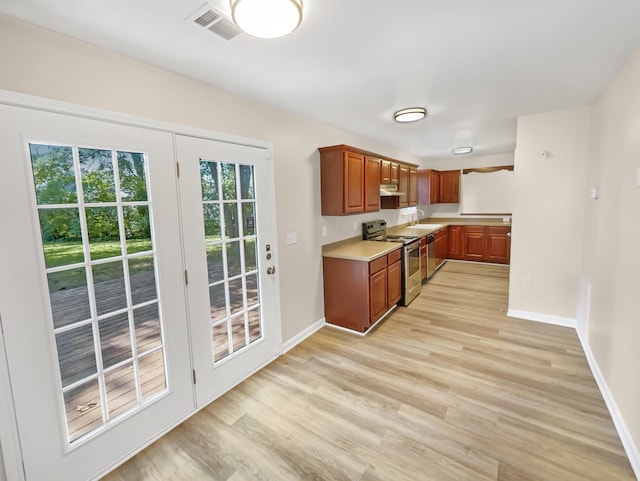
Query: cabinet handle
{"points": [[508, 234]]}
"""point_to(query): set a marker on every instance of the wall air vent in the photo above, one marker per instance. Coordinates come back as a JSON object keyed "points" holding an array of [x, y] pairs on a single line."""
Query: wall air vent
{"points": [[215, 21]]}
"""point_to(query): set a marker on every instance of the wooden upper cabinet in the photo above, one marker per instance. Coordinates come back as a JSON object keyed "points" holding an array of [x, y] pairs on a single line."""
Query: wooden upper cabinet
{"points": [[354, 167], [449, 187], [350, 181], [394, 172], [372, 184], [413, 186], [403, 185], [428, 187], [385, 171]]}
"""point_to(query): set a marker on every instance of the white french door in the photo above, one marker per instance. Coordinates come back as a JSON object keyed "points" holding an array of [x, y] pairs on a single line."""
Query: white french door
{"points": [[229, 242], [91, 290]]}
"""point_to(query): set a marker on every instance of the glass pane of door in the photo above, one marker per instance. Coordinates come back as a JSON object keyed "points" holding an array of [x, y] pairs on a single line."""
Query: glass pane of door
{"points": [[228, 200], [95, 222]]}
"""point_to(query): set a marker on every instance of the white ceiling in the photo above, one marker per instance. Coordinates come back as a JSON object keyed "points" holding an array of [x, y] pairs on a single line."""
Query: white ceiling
{"points": [[475, 65]]}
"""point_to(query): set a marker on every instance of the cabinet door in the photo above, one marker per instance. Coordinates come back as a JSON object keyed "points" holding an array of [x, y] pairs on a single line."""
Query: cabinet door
{"points": [[434, 187], [372, 184], [498, 244], [450, 187], [385, 172], [403, 185], [378, 294], [394, 175], [413, 186], [354, 167], [455, 242], [428, 187], [474, 243], [394, 280]]}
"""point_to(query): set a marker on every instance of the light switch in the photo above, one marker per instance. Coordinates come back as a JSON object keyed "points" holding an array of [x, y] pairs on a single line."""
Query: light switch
{"points": [[292, 238], [324, 231]]}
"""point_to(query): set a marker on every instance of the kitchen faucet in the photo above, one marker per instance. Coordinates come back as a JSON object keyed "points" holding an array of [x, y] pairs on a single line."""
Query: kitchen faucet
{"points": [[416, 213]]}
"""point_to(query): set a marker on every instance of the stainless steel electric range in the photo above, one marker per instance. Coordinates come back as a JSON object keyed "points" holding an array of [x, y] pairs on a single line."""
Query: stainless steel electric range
{"points": [[411, 268]]}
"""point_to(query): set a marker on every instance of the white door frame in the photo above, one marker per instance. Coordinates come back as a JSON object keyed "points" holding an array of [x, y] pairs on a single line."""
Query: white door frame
{"points": [[9, 435]]}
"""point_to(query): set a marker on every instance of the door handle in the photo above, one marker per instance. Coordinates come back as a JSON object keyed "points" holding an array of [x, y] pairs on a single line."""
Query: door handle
{"points": [[271, 270]]}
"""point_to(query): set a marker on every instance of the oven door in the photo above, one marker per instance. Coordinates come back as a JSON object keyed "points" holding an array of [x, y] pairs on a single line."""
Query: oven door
{"points": [[412, 272]]}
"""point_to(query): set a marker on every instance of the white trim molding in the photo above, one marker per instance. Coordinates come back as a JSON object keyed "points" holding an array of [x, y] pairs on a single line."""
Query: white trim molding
{"points": [[630, 447], [544, 318], [301, 336]]}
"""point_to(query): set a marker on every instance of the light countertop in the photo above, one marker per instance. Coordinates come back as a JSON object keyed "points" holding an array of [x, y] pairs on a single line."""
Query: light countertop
{"points": [[362, 250]]}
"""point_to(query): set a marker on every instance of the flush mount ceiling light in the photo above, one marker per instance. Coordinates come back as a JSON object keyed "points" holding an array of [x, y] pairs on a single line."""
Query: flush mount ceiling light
{"points": [[267, 18], [410, 115], [462, 150]]}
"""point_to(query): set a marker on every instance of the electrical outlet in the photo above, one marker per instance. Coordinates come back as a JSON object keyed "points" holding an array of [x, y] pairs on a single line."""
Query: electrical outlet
{"points": [[526, 282], [355, 226], [292, 238]]}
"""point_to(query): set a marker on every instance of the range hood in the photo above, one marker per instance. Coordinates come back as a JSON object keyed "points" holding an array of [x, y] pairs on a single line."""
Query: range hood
{"points": [[390, 190]]}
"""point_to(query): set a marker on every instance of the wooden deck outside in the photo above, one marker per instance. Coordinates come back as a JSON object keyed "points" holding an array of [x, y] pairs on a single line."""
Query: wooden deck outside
{"points": [[76, 346]]}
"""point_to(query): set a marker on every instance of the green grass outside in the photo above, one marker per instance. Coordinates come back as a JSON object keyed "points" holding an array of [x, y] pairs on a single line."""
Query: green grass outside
{"points": [[65, 253]]}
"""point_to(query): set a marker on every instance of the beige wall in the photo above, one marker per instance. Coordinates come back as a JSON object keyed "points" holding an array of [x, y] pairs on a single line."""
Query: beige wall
{"points": [[611, 258], [43, 63], [549, 211]]}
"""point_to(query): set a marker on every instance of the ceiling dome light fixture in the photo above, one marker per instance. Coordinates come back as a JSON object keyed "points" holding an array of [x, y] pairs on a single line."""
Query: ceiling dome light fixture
{"points": [[267, 18], [462, 150], [410, 115]]}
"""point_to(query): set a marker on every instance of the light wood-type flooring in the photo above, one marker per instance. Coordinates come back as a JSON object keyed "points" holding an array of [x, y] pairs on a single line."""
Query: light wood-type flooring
{"points": [[447, 389]]}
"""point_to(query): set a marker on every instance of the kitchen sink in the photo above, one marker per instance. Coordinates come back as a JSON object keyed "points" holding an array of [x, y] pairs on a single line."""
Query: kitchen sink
{"points": [[425, 226]]}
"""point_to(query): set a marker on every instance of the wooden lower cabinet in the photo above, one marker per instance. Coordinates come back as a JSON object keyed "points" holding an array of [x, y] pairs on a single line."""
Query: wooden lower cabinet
{"points": [[474, 243], [378, 286], [485, 244], [498, 244], [358, 293], [455, 243], [442, 246], [394, 283]]}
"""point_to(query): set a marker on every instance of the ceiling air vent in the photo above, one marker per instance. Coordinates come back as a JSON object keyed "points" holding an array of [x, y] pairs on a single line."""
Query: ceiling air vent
{"points": [[215, 21]]}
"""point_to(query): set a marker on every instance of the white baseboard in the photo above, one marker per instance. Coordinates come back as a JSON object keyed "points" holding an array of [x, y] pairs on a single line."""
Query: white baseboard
{"points": [[298, 338], [628, 443], [544, 318]]}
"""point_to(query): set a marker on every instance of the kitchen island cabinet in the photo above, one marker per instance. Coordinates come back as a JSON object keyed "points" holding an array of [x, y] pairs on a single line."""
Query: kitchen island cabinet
{"points": [[357, 293]]}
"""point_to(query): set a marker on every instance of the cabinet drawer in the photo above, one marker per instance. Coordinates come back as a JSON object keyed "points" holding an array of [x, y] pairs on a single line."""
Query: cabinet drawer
{"points": [[498, 230], [377, 264], [394, 256], [441, 233]]}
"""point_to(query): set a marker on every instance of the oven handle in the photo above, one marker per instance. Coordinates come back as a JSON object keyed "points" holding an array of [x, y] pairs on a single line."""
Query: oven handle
{"points": [[412, 247]]}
